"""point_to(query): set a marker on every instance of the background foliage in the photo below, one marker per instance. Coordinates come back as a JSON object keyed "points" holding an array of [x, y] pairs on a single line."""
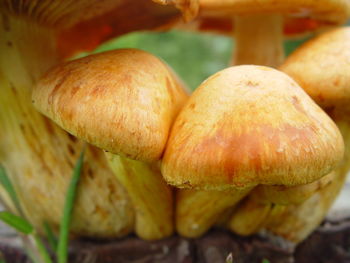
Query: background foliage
{"points": [[194, 56]]}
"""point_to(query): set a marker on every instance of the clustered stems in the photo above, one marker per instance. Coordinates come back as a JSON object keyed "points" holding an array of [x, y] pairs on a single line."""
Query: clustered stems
{"points": [[259, 40], [245, 126]]}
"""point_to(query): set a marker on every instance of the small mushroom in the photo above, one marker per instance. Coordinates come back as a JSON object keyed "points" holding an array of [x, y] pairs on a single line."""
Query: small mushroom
{"points": [[242, 128], [124, 102]]}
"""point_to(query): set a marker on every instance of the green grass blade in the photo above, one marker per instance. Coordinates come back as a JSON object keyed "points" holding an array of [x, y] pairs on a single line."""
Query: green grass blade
{"points": [[6, 183], [51, 238], [2, 259], [265, 261], [42, 249], [16, 222], [62, 249]]}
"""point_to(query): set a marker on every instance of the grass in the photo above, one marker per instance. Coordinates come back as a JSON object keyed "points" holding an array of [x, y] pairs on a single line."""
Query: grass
{"points": [[62, 246], [37, 251]]}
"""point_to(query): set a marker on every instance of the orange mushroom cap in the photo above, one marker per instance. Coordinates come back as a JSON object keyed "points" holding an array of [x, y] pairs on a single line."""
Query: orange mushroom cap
{"points": [[250, 125], [122, 101], [322, 66]]}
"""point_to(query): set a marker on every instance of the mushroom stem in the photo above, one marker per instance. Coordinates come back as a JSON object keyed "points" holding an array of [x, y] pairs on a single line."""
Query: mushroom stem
{"points": [[149, 193], [197, 211], [39, 156], [245, 222], [259, 40]]}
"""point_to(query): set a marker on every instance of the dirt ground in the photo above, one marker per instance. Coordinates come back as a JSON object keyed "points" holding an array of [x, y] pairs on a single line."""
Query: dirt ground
{"points": [[330, 243]]}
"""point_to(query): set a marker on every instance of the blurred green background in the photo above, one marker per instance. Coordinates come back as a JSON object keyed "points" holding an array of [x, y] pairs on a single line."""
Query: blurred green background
{"points": [[194, 56]]}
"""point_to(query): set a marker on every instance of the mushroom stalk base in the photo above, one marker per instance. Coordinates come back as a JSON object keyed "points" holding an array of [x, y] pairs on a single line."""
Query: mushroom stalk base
{"points": [[197, 211], [259, 40], [250, 217], [151, 196]]}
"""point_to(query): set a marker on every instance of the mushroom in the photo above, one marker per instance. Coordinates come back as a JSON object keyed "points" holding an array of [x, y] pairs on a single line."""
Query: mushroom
{"points": [[321, 67], [260, 26], [38, 155], [124, 102], [242, 128], [266, 203], [297, 221]]}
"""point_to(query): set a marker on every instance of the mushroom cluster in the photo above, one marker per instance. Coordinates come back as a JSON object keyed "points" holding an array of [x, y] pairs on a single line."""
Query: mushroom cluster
{"points": [[251, 148]]}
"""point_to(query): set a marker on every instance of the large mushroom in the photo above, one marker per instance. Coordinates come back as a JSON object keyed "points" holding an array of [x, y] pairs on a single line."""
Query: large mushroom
{"points": [[259, 28], [124, 102], [242, 128], [38, 155]]}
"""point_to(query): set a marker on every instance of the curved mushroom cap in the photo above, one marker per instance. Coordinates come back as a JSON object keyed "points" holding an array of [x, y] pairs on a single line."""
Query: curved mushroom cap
{"points": [[250, 125], [322, 67], [122, 101], [300, 16]]}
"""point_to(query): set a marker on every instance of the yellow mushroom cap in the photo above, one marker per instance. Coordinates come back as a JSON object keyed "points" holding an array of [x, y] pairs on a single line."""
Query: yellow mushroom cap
{"points": [[322, 67], [123, 101], [250, 125]]}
